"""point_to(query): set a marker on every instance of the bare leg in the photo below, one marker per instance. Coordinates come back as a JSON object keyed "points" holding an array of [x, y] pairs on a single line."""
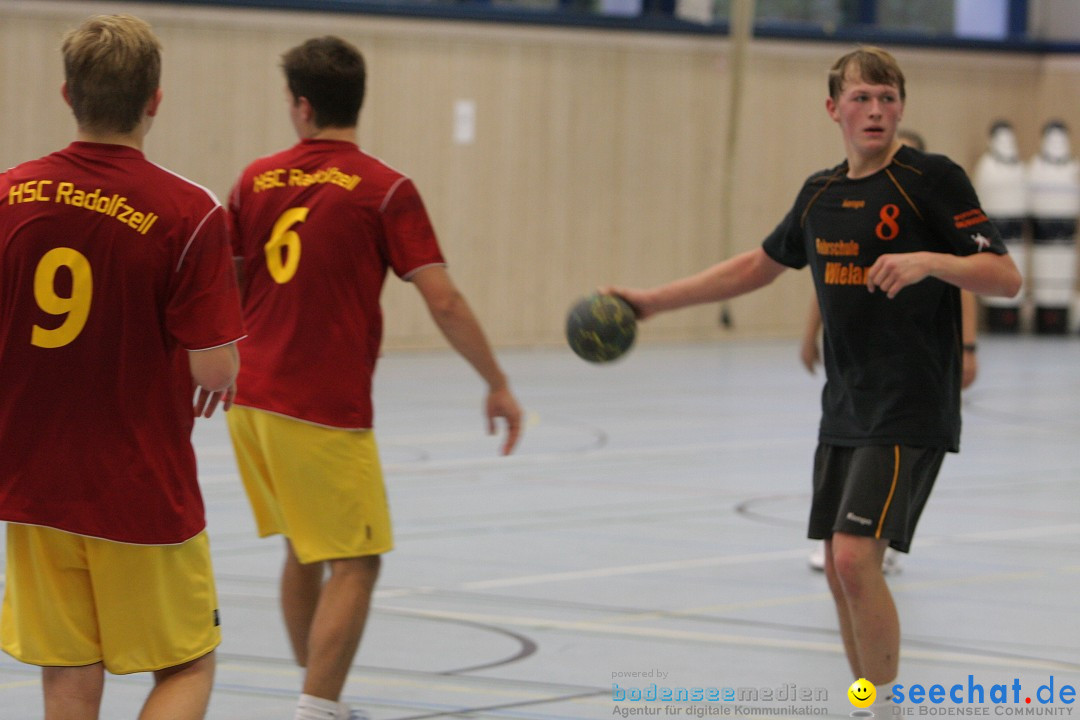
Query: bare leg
{"points": [[301, 586], [869, 622], [181, 692], [73, 693], [843, 614], [338, 624]]}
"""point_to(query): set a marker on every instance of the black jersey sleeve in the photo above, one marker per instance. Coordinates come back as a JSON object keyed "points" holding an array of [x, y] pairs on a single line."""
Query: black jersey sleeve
{"points": [[785, 244], [952, 210]]}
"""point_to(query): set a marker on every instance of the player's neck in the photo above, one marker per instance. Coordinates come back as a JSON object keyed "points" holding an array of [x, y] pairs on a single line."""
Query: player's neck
{"points": [[348, 134], [132, 140], [860, 166]]}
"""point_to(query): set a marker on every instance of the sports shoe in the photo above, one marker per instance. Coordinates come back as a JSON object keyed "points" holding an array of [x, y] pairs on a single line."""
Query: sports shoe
{"points": [[884, 707], [890, 564], [357, 714]]}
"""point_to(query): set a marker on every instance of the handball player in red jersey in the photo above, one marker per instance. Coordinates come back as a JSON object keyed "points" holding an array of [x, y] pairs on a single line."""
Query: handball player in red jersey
{"points": [[118, 306], [316, 229]]}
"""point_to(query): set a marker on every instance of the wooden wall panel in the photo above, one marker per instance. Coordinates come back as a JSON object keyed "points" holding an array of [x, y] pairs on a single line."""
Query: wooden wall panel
{"points": [[598, 158]]}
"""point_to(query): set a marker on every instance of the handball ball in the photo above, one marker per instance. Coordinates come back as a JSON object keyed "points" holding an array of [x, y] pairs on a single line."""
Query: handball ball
{"points": [[600, 328]]}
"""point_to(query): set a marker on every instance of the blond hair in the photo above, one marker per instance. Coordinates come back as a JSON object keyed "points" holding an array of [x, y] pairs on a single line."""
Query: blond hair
{"points": [[872, 64], [112, 67]]}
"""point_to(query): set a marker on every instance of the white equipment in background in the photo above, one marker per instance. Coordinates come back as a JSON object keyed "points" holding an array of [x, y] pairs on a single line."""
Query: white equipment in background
{"points": [[1054, 192], [1001, 182]]}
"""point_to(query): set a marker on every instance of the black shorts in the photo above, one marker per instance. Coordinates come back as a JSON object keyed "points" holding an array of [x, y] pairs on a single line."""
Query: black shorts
{"points": [[873, 491]]}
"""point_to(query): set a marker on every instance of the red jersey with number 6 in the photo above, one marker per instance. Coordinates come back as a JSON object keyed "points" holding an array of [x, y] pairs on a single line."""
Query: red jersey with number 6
{"points": [[317, 227], [111, 269]]}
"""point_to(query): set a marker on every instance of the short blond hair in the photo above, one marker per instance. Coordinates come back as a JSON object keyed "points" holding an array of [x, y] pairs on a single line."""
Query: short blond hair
{"points": [[112, 67], [873, 64]]}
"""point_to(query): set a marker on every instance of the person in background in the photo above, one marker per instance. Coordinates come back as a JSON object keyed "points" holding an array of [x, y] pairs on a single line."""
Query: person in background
{"points": [[119, 307], [317, 227]]}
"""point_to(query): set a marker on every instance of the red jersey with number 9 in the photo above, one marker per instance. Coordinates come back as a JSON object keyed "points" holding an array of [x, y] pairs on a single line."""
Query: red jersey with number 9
{"points": [[317, 227], [111, 269]]}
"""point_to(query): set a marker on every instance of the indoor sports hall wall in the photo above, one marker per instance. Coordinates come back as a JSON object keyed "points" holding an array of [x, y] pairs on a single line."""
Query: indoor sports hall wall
{"points": [[598, 156]]}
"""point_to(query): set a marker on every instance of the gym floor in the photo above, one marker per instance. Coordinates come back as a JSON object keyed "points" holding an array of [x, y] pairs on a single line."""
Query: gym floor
{"points": [[648, 536]]}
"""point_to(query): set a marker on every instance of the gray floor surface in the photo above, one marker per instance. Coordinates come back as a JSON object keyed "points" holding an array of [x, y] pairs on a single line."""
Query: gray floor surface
{"points": [[649, 536]]}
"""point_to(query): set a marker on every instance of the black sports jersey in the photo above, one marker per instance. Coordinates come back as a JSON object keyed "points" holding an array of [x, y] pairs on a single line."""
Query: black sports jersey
{"points": [[892, 366]]}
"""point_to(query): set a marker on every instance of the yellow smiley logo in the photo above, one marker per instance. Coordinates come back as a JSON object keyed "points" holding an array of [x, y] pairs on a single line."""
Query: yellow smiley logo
{"points": [[862, 693]]}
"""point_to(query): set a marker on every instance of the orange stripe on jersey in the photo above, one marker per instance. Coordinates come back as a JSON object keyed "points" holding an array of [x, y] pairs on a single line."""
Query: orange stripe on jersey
{"points": [[911, 168], [892, 491], [903, 192], [828, 181]]}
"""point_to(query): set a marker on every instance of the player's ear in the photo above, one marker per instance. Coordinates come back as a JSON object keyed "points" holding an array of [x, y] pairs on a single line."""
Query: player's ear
{"points": [[307, 112], [64, 93], [155, 102], [830, 107]]}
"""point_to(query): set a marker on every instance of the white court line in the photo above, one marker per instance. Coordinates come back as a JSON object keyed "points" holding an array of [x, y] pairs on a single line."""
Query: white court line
{"points": [[728, 560], [1015, 534], [723, 560], [667, 566], [691, 612], [431, 682], [895, 586], [607, 452], [525, 459], [698, 637]]}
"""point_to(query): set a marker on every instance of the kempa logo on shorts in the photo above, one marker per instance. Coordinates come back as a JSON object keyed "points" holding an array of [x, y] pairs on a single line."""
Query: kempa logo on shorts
{"points": [[861, 520]]}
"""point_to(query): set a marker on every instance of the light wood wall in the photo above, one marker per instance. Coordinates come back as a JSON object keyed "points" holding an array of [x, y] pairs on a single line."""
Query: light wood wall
{"points": [[599, 156]]}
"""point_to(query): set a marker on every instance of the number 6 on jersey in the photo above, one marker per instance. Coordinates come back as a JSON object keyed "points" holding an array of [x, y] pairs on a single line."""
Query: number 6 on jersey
{"points": [[283, 247]]}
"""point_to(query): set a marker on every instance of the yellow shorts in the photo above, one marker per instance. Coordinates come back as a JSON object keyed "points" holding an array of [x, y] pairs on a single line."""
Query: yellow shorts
{"points": [[73, 600], [320, 487]]}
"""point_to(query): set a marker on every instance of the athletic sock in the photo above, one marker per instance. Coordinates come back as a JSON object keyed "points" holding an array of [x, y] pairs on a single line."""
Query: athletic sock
{"points": [[883, 706], [316, 708]]}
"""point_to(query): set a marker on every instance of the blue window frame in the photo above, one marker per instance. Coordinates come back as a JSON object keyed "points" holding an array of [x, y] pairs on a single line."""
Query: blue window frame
{"points": [[1001, 23]]}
